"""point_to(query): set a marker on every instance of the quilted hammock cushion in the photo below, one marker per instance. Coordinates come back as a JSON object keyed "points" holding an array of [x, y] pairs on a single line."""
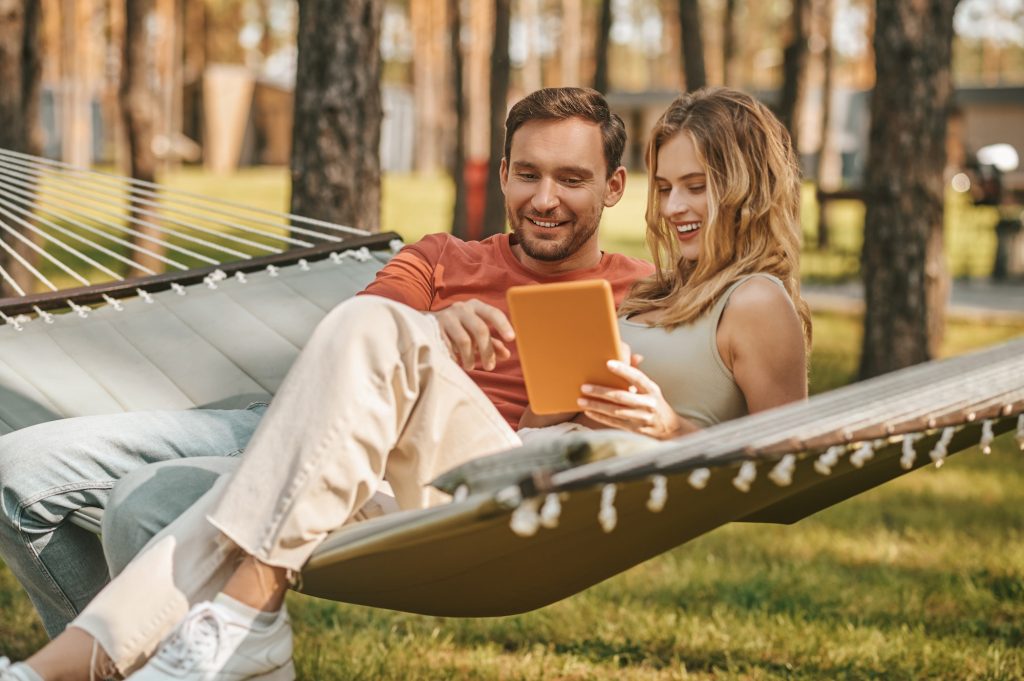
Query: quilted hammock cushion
{"points": [[224, 347]]}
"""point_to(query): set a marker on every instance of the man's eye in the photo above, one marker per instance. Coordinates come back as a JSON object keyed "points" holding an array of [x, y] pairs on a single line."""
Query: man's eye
{"points": [[571, 181], [526, 176]]}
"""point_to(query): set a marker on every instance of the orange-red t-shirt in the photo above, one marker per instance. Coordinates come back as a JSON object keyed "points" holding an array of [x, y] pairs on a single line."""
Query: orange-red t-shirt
{"points": [[441, 269]]}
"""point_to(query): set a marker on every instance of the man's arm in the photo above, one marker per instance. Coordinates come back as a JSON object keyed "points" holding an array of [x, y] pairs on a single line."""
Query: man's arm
{"points": [[476, 333]]}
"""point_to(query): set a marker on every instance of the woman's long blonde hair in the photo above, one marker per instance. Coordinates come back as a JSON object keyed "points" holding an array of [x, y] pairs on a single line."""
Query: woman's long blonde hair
{"points": [[753, 220]]}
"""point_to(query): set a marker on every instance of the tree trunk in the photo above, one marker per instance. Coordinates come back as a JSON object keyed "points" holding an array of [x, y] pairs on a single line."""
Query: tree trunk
{"points": [[601, 51], [459, 223], [693, 45], [429, 82], [494, 212], [335, 164], [729, 42], [794, 70], [571, 42], [138, 106], [20, 67], [905, 279], [826, 172]]}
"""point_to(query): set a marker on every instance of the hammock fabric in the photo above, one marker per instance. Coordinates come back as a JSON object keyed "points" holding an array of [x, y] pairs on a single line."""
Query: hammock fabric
{"points": [[530, 526]]}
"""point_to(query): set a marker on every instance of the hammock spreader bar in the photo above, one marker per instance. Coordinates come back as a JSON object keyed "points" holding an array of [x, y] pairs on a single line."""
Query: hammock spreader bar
{"points": [[98, 293]]}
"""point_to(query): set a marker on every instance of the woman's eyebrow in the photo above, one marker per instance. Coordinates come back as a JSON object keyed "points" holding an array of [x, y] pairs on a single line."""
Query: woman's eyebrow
{"points": [[687, 176]]}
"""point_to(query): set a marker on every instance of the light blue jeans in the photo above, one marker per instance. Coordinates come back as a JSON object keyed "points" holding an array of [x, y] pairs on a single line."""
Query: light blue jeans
{"points": [[49, 470]]}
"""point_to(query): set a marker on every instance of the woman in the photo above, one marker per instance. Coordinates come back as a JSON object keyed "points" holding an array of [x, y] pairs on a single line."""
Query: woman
{"points": [[721, 322]]}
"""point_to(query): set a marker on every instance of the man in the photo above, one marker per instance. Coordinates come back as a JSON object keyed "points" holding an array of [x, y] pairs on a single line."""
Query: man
{"points": [[559, 170]]}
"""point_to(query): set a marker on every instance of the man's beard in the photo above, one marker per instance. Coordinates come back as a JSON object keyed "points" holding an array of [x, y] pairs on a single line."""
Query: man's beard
{"points": [[546, 250]]}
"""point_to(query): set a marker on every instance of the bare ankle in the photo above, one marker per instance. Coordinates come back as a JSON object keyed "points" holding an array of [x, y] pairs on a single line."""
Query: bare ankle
{"points": [[258, 585]]}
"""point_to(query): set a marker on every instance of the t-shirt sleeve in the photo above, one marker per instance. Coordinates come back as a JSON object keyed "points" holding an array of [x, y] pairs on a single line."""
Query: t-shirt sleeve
{"points": [[409, 276]]}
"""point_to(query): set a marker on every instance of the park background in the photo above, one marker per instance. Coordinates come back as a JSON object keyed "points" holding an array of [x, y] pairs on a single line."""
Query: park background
{"points": [[923, 578]]}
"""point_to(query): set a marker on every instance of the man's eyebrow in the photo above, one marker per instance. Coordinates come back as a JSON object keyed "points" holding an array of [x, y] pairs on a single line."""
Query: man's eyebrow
{"points": [[687, 176], [575, 170]]}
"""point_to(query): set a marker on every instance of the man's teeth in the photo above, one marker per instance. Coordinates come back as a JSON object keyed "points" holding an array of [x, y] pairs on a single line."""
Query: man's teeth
{"points": [[543, 224], [683, 229]]}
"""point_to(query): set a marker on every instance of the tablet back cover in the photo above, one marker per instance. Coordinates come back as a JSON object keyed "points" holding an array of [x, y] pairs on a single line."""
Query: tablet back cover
{"points": [[566, 333]]}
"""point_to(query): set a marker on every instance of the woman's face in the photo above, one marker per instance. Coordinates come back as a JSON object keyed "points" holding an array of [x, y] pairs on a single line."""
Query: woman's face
{"points": [[682, 192]]}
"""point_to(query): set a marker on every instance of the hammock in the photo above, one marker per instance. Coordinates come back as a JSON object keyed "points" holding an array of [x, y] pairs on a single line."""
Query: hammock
{"points": [[527, 527]]}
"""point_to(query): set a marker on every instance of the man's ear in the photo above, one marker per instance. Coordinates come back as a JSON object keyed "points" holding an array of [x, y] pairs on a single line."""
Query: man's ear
{"points": [[503, 174], [615, 186]]}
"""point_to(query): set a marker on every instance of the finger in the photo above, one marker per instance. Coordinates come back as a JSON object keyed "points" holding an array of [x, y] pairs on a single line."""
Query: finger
{"points": [[639, 417], [611, 421], [618, 396], [496, 320], [634, 376], [480, 334], [501, 350], [635, 359], [461, 343]]}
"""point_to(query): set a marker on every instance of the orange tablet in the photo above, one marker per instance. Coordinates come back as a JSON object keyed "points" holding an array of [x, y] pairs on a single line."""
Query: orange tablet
{"points": [[566, 333]]}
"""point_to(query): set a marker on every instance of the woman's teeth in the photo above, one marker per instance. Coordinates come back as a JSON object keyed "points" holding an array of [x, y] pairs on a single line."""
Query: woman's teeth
{"points": [[683, 229]]}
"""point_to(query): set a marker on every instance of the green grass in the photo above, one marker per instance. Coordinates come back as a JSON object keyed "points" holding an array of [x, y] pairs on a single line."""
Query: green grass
{"points": [[922, 578]]}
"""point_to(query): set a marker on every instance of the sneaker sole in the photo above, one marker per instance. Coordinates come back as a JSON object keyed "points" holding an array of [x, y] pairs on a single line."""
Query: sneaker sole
{"points": [[285, 672]]}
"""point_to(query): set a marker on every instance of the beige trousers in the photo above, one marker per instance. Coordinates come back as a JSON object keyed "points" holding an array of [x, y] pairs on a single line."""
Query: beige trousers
{"points": [[374, 396]]}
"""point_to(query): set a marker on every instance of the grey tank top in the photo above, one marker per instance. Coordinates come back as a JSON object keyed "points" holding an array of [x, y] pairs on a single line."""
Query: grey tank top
{"points": [[685, 362]]}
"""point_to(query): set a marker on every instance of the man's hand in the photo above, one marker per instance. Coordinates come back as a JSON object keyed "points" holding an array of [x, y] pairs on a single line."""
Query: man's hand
{"points": [[476, 333]]}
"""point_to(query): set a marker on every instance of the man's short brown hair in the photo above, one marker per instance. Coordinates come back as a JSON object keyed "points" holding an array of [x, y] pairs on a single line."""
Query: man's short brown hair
{"points": [[563, 103]]}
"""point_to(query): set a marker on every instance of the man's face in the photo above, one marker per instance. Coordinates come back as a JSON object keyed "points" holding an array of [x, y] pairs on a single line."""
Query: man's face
{"points": [[556, 188]]}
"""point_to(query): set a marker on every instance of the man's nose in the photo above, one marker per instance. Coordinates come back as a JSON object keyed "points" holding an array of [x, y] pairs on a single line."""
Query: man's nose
{"points": [[545, 198]]}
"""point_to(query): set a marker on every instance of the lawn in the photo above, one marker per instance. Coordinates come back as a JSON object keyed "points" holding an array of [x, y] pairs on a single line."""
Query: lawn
{"points": [[920, 578]]}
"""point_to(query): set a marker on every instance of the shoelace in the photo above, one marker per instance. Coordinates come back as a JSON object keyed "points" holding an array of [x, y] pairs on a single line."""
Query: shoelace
{"points": [[196, 638]]}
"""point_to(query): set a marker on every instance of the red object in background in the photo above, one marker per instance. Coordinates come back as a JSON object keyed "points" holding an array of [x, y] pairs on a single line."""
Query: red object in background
{"points": [[475, 177]]}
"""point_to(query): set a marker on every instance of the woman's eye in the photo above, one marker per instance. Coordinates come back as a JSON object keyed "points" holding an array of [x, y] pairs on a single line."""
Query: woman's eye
{"points": [[697, 188], [664, 190]]}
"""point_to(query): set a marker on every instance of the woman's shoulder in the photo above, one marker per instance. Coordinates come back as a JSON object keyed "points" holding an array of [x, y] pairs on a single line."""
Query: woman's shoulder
{"points": [[758, 307], [758, 292]]}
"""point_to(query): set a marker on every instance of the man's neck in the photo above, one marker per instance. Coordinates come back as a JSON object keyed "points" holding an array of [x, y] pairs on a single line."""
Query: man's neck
{"points": [[583, 259]]}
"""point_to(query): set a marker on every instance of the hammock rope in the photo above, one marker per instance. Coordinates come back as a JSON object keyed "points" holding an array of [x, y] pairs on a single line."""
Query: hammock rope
{"points": [[96, 227]]}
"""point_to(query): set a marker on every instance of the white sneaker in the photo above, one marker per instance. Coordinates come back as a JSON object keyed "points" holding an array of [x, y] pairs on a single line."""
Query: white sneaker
{"points": [[211, 645], [18, 671]]}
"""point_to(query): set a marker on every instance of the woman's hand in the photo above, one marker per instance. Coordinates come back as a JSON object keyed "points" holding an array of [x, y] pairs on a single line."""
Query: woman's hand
{"points": [[641, 408]]}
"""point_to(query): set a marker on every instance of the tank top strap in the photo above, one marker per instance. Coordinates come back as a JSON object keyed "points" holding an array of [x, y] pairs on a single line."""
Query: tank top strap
{"points": [[715, 314]]}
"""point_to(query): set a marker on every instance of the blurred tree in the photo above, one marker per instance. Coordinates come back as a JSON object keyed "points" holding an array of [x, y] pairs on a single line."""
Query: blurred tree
{"points": [[20, 66], [571, 44], [794, 70], [138, 109], [825, 173], [494, 210], [335, 163], [459, 224], [693, 45], [429, 29], [604, 29], [902, 263], [729, 42]]}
